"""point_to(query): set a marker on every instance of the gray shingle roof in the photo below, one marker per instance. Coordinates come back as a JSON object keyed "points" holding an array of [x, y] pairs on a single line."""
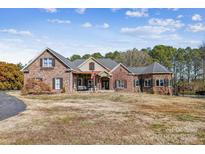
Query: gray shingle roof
{"points": [[62, 58], [136, 70], [150, 69], [107, 62], [77, 62]]}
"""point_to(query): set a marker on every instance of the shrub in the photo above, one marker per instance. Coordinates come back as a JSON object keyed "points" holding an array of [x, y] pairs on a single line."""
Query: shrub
{"points": [[63, 90], [35, 87], [11, 78]]}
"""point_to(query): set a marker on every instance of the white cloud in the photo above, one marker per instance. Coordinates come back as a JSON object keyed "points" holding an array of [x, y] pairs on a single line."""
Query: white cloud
{"points": [[166, 22], [50, 10], [115, 9], [173, 9], [16, 32], [146, 30], [137, 13], [80, 11], [58, 21], [180, 16], [14, 51], [196, 27], [104, 25], [87, 25], [161, 38], [196, 17], [193, 42]]}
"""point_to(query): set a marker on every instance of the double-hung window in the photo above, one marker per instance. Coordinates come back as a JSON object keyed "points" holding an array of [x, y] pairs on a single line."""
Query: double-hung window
{"points": [[160, 82], [120, 84], [137, 83], [169, 83], [91, 66], [57, 84], [47, 62], [147, 83]]}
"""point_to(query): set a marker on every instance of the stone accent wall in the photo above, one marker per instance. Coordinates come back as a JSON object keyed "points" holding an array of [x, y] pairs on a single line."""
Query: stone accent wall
{"points": [[47, 74], [121, 73]]}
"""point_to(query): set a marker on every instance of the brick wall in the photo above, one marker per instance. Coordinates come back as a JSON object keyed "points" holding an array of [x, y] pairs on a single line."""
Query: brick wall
{"points": [[121, 73], [165, 89], [59, 71], [153, 88]]}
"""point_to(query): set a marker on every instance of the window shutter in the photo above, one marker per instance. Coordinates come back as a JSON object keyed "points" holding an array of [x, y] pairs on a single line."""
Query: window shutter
{"points": [[134, 83], [171, 82], [53, 62], [125, 82], [153, 82], [61, 83], [142, 82], [54, 83], [166, 82], [115, 84], [41, 62]]}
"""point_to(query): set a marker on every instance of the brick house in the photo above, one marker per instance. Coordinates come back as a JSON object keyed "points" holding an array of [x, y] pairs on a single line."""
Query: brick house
{"points": [[96, 74]]}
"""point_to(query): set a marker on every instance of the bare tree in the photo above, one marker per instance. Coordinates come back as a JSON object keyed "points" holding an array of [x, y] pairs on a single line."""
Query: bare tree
{"points": [[202, 51]]}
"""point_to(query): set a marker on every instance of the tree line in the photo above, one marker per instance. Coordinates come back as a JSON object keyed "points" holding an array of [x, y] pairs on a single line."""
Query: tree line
{"points": [[185, 63]]}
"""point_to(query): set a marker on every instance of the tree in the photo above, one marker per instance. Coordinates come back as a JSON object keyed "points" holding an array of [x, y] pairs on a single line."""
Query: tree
{"points": [[20, 65], [86, 56], [179, 62], [135, 57], [188, 62], [74, 57], [196, 63], [97, 55], [202, 53], [10, 76], [164, 55], [110, 55]]}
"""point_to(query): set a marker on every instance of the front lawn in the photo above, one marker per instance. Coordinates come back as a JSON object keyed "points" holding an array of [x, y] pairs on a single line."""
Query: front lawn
{"points": [[106, 118]]}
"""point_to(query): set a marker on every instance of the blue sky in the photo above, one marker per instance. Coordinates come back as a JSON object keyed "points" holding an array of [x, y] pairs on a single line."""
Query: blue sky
{"points": [[26, 32]]}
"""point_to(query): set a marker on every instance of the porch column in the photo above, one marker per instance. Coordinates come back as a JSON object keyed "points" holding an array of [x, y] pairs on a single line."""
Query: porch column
{"points": [[100, 86]]}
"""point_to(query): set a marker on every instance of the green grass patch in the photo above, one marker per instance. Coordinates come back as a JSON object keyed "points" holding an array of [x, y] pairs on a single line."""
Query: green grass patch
{"points": [[157, 127], [201, 135], [191, 118]]}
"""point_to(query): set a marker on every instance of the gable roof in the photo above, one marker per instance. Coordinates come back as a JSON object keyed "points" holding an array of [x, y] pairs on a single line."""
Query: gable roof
{"points": [[150, 69], [120, 64], [77, 62], [64, 60], [107, 62], [93, 60]]}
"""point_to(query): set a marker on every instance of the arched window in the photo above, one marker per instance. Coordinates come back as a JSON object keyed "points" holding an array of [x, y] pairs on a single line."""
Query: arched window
{"points": [[91, 66]]}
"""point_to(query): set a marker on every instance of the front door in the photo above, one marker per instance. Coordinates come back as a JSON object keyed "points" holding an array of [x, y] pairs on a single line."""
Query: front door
{"points": [[105, 84]]}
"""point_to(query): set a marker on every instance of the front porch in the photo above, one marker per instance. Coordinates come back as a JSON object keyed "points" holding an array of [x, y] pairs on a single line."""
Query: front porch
{"points": [[91, 81]]}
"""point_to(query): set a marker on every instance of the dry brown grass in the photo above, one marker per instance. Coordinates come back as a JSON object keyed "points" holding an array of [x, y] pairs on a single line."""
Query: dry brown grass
{"points": [[106, 118]]}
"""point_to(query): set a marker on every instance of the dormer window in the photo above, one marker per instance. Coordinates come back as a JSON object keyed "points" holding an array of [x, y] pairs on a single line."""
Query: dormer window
{"points": [[91, 66], [47, 62]]}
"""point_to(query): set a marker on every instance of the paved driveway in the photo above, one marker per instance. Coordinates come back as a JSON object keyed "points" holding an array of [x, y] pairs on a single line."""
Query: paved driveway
{"points": [[10, 106]]}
